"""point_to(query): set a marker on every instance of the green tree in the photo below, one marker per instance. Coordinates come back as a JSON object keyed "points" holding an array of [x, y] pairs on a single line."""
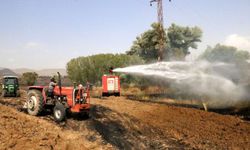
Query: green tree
{"points": [[147, 44], [222, 53], [29, 78], [181, 39], [177, 39], [92, 68]]}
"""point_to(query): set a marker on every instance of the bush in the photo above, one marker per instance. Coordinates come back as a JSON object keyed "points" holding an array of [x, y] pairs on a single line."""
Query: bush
{"points": [[227, 54], [29, 78]]}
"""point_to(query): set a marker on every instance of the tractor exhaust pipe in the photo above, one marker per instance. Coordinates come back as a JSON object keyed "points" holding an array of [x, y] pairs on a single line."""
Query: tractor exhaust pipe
{"points": [[59, 83]]}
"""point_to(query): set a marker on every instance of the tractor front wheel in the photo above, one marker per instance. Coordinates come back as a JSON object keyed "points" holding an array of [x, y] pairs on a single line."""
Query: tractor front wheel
{"points": [[59, 112], [35, 102]]}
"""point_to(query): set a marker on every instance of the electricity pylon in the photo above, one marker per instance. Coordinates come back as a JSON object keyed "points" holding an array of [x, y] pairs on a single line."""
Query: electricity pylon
{"points": [[161, 28]]}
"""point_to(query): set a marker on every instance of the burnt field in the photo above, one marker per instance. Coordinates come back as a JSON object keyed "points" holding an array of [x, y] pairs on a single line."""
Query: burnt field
{"points": [[122, 123]]}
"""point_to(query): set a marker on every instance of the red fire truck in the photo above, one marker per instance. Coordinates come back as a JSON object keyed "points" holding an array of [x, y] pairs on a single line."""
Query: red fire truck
{"points": [[110, 84]]}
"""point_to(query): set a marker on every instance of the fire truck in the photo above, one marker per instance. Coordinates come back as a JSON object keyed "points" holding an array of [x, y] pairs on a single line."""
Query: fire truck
{"points": [[110, 84]]}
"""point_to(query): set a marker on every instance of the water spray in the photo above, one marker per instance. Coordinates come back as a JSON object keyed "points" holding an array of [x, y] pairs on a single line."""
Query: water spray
{"points": [[218, 81]]}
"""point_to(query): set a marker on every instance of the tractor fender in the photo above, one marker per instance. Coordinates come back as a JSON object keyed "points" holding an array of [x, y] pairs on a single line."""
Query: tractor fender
{"points": [[42, 89]]}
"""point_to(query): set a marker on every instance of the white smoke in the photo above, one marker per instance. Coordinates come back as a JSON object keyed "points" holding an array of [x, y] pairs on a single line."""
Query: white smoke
{"points": [[218, 81]]}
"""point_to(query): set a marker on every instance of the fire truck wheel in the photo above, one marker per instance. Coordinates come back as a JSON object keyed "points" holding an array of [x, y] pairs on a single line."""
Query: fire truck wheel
{"points": [[59, 112], [117, 94], [103, 94]]}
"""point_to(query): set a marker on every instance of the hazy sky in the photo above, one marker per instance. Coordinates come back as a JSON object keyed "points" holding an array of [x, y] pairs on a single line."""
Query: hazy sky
{"points": [[48, 33]]}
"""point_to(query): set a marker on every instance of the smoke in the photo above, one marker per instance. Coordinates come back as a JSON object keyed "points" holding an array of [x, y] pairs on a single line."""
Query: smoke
{"points": [[221, 84]]}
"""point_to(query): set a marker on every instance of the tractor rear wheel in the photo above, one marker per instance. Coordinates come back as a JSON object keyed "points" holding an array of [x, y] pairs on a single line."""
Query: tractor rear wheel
{"points": [[35, 102], [4, 93], [59, 112]]}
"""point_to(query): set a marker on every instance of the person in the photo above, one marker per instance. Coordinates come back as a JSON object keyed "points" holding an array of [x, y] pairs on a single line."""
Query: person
{"points": [[52, 85]]}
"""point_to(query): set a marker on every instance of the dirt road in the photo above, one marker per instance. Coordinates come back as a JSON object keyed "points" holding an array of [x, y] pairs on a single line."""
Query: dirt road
{"points": [[119, 123]]}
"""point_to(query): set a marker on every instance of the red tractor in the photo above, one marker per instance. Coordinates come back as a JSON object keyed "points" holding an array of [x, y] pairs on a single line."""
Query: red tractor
{"points": [[64, 100]]}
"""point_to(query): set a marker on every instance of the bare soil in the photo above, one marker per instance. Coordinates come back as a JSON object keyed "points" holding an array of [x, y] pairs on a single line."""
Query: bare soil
{"points": [[191, 127], [119, 123], [18, 130]]}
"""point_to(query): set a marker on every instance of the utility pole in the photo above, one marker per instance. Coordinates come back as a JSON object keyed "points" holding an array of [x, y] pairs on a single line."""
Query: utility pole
{"points": [[161, 28], [159, 10]]}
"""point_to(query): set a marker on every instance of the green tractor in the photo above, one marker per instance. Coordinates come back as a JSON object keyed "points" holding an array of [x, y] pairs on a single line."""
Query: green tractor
{"points": [[10, 86]]}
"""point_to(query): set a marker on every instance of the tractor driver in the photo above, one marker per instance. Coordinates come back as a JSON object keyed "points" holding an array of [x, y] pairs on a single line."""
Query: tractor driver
{"points": [[52, 85]]}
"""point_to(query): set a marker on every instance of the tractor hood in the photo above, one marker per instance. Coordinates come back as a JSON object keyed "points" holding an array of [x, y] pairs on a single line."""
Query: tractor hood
{"points": [[64, 90]]}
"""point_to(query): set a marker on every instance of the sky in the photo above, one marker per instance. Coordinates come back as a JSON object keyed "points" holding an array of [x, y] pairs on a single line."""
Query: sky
{"points": [[41, 34]]}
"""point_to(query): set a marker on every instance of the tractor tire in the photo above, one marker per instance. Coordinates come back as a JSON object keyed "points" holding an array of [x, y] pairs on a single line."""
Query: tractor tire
{"points": [[35, 102], [3, 93], [59, 112]]}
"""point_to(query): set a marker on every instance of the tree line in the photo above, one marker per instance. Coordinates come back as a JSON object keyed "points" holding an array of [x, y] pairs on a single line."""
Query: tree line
{"points": [[91, 68]]}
